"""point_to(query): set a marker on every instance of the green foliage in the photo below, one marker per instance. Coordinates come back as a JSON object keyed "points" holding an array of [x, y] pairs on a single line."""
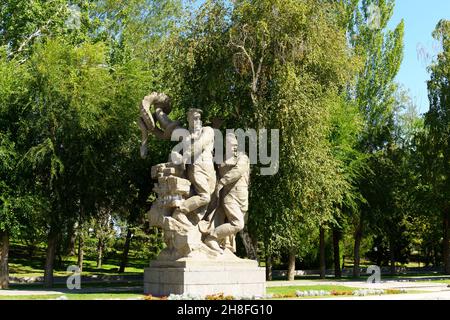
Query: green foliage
{"points": [[382, 53], [434, 141], [15, 201], [374, 94], [262, 64], [302, 68], [350, 154], [437, 122]]}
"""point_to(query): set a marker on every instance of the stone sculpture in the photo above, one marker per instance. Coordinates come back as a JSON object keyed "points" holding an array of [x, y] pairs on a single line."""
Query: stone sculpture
{"points": [[199, 208]]}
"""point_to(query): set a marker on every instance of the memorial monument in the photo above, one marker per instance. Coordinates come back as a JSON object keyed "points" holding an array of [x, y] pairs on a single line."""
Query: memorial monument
{"points": [[200, 206]]}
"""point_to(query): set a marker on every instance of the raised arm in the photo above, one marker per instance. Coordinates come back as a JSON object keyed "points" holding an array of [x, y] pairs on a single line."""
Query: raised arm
{"points": [[241, 167]]}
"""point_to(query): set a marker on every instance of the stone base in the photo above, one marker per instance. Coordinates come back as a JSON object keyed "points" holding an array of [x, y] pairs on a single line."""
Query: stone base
{"points": [[236, 277]]}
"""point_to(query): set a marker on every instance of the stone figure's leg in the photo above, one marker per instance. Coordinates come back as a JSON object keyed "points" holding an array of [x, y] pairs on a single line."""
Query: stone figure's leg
{"points": [[202, 178], [199, 181], [235, 223], [230, 243], [219, 217]]}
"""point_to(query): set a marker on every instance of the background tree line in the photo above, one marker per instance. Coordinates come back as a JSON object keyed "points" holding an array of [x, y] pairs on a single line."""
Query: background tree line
{"points": [[361, 173]]}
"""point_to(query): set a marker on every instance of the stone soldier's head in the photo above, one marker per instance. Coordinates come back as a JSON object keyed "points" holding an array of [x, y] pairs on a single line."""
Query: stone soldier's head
{"points": [[194, 117], [231, 145]]}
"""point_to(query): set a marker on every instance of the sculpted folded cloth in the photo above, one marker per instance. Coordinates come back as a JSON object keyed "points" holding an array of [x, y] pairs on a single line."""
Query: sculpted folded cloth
{"points": [[147, 121]]}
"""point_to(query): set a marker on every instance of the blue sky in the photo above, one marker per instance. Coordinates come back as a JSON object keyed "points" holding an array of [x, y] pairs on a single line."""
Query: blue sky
{"points": [[421, 17]]}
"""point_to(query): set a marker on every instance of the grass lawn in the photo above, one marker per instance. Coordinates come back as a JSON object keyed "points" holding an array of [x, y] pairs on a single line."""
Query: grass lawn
{"points": [[77, 296], [89, 268], [22, 265], [100, 285], [290, 292]]}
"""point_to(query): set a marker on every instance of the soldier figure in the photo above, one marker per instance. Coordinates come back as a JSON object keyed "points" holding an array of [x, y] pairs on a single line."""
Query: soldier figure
{"points": [[233, 188], [198, 157]]}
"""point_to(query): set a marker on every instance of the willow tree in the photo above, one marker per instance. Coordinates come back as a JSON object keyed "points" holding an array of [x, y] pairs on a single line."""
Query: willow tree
{"points": [[15, 200], [346, 127], [25, 27], [275, 65], [74, 138], [138, 34], [65, 131]]}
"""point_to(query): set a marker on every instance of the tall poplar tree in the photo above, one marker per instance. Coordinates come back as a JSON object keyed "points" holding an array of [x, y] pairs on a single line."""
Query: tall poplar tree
{"points": [[437, 143], [374, 92]]}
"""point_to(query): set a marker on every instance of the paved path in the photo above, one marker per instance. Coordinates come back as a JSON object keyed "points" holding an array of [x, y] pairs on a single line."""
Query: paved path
{"points": [[439, 295], [15, 293]]}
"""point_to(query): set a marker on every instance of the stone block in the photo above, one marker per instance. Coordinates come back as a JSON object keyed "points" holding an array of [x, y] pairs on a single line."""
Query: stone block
{"points": [[175, 185], [166, 169], [237, 277]]}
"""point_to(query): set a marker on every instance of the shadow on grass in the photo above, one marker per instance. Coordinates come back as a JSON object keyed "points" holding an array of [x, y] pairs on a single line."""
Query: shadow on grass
{"points": [[90, 285], [24, 262]]}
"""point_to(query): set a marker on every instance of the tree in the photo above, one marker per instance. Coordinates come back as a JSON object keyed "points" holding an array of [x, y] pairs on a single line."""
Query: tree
{"points": [[264, 64], [374, 91], [14, 198], [397, 182], [346, 128], [74, 139], [437, 124]]}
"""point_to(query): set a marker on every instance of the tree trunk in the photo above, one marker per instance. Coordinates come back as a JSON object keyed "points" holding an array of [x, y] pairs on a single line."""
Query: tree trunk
{"points": [[80, 250], [436, 259], [100, 253], [337, 254], [322, 253], [126, 249], [268, 267], [250, 246], [356, 252], [291, 266], [379, 258], [50, 258], [392, 258], [427, 258], [31, 248], [72, 240], [4, 253], [446, 242]]}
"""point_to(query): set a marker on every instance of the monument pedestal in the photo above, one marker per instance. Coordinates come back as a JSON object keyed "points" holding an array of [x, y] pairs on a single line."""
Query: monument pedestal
{"points": [[235, 277]]}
